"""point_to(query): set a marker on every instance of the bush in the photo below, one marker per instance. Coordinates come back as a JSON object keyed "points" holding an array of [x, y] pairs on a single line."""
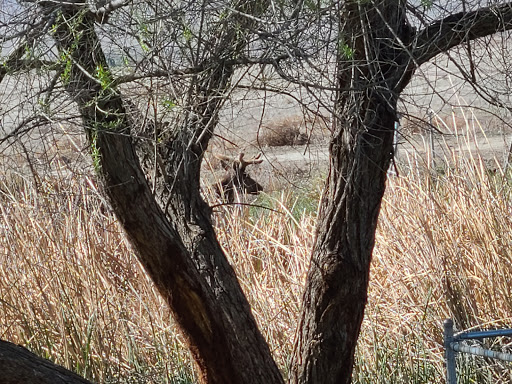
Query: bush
{"points": [[286, 132]]}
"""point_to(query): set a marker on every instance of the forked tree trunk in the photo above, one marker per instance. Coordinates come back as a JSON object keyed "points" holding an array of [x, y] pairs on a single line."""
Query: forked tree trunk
{"points": [[174, 240]]}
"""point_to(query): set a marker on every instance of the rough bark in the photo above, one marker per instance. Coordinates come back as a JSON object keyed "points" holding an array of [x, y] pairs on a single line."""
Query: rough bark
{"points": [[386, 52], [174, 240], [361, 148], [460, 27], [20, 366]]}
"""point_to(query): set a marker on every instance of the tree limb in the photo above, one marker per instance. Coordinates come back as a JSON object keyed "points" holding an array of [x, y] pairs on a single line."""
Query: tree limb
{"points": [[173, 236], [463, 26], [102, 13], [201, 68]]}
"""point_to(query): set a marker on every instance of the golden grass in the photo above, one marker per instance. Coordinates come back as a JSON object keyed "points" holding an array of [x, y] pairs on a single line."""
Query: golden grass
{"points": [[72, 290], [443, 250], [269, 251]]}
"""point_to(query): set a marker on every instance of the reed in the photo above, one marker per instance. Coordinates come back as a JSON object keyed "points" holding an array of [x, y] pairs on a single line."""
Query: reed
{"points": [[72, 290]]}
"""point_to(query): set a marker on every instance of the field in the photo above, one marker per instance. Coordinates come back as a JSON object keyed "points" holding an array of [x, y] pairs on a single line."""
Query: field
{"points": [[72, 290]]}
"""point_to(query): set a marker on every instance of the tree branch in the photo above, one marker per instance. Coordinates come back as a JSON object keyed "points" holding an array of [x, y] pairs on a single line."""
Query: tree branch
{"points": [[247, 61], [460, 27]]}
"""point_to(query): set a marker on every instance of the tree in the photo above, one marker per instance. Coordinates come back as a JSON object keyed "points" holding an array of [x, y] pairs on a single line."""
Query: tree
{"points": [[377, 51]]}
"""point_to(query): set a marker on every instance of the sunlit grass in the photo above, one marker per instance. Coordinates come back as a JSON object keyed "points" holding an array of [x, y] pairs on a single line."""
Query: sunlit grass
{"points": [[72, 290]]}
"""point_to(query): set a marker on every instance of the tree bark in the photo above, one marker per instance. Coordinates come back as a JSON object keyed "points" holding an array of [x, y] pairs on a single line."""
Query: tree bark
{"points": [[170, 226], [460, 27], [174, 240], [20, 366], [380, 54], [371, 74]]}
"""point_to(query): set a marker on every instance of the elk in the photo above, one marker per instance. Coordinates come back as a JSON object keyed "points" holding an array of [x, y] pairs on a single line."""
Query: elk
{"points": [[236, 180]]}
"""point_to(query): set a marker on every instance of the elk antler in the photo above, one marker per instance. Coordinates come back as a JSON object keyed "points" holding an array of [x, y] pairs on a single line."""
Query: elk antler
{"points": [[255, 160], [228, 162]]}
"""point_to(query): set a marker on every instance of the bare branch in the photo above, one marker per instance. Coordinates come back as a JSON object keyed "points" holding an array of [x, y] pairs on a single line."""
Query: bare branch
{"points": [[104, 12], [13, 58], [25, 126], [463, 26], [198, 69]]}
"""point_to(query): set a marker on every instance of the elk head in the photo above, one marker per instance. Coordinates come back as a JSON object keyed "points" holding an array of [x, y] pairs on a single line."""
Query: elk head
{"points": [[237, 180]]}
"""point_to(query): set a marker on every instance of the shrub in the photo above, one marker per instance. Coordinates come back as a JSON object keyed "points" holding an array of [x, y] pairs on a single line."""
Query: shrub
{"points": [[285, 132]]}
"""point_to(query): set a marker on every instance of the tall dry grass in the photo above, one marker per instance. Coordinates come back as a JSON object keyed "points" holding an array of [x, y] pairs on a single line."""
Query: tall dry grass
{"points": [[269, 250], [443, 250], [72, 290]]}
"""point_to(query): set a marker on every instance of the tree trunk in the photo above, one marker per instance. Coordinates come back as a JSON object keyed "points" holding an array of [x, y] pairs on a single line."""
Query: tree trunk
{"points": [[371, 74], [175, 240], [378, 55], [20, 366]]}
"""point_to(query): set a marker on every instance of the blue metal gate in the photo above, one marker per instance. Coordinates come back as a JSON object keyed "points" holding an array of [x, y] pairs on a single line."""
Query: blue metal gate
{"points": [[452, 344]]}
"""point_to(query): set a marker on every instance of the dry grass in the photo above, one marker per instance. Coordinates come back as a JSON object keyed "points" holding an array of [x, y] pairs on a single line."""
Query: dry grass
{"points": [[269, 250], [444, 250], [71, 289]]}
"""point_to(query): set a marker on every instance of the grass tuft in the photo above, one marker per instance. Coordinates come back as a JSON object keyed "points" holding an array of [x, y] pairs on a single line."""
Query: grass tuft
{"points": [[72, 291]]}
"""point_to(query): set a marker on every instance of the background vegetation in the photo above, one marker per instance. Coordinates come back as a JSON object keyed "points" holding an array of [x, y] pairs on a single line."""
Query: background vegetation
{"points": [[73, 292]]}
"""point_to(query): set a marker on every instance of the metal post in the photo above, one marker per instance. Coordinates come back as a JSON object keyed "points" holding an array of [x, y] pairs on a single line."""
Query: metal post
{"points": [[431, 141], [396, 136], [451, 369]]}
